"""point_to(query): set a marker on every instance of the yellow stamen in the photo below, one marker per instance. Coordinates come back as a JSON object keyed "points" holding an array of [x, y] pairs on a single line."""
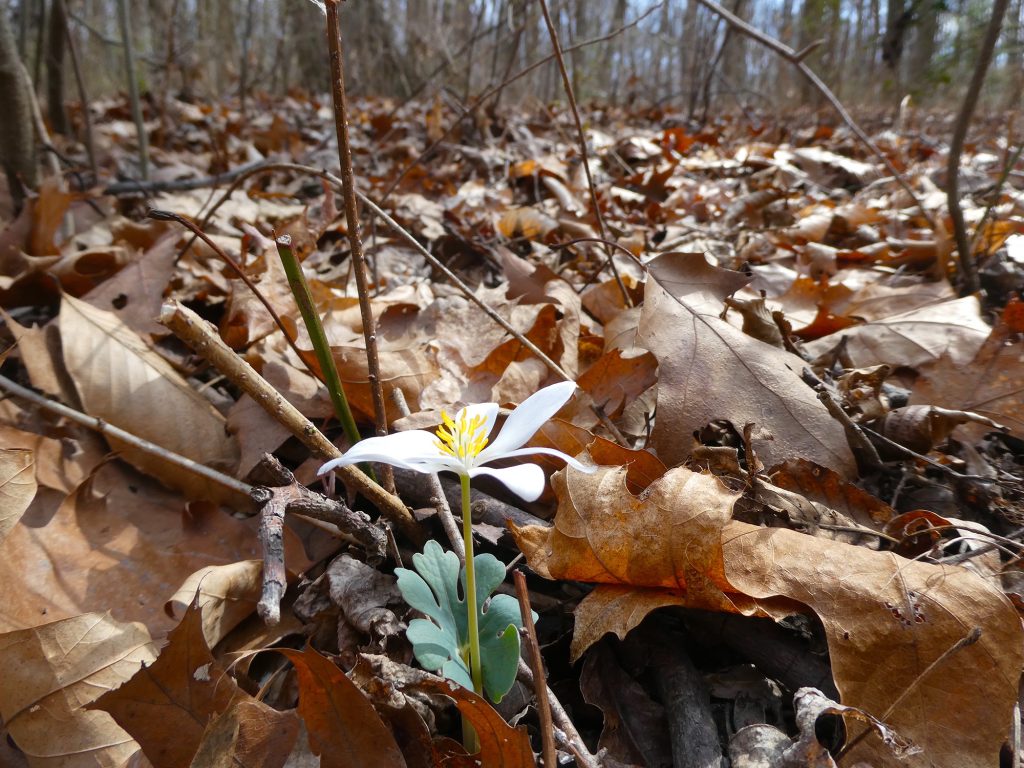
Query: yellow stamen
{"points": [[462, 440]]}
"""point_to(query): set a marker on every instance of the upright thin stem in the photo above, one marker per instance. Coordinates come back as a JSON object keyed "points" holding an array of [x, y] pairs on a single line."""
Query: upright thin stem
{"points": [[321, 347], [352, 219], [970, 282], [471, 610], [133, 87]]}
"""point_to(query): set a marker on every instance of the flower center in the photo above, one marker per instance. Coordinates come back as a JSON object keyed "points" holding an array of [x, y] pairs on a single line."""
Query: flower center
{"points": [[463, 439]]}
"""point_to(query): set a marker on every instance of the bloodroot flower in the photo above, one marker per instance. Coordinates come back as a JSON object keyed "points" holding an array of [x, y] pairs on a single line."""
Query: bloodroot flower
{"points": [[462, 444]]}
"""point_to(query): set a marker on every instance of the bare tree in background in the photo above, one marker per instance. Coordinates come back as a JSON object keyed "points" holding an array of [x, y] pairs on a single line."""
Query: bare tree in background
{"points": [[17, 140], [56, 46]]}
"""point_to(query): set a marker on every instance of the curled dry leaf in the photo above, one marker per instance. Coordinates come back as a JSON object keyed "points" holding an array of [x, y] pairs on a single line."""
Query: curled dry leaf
{"points": [[17, 486], [921, 427], [51, 673], [122, 381], [710, 370], [887, 619], [225, 595]]}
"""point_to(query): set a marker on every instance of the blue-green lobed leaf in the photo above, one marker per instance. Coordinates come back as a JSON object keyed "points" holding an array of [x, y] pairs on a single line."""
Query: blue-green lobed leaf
{"points": [[441, 642]]}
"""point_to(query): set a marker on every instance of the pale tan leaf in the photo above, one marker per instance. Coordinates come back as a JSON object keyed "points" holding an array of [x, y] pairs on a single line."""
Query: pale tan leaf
{"points": [[124, 382], [227, 594], [913, 338], [121, 543], [17, 486], [52, 672]]}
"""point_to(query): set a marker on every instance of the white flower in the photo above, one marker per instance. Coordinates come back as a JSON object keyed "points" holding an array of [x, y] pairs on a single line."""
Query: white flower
{"points": [[461, 444]]}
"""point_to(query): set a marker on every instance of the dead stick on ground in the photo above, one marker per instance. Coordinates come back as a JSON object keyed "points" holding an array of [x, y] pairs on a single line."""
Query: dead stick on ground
{"points": [[547, 731], [796, 59], [348, 191], [582, 138], [204, 339]]}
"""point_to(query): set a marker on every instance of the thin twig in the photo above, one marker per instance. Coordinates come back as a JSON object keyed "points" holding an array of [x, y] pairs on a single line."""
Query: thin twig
{"points": [[969, 639], [491, 92], [237, 269], [863, 448], [358, 258], [547, 730], [83, 96], [566, 732], [582, 138], [204, 339], [109, 430]]}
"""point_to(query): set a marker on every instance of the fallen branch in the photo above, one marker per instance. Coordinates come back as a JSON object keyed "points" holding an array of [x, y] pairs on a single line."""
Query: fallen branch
{"points": [[203, 338]]}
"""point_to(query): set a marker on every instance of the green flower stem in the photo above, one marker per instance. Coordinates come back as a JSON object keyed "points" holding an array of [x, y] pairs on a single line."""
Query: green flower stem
{"points": [[304, 300], [474, 629]]}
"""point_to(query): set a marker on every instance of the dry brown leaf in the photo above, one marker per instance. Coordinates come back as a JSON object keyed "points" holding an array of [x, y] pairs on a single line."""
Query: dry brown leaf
{"points": [[39, 350], [501, 745], [991, 384], [48, 211], [710, 370], [887, 619], [921, 427], [17, 486], [822, 485], [618, 378], [124, 382], [62, 464], [136, 293], [167, 705], [913, 338], [248, 734], [124, 548], [344, 729], [225, 595], [53, 671]]}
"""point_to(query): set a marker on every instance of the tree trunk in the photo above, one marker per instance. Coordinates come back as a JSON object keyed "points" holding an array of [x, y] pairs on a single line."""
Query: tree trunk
{"points": [[17, 142], [56, 46]]}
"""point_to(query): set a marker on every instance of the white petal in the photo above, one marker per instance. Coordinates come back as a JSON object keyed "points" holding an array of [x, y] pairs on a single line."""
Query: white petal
{"points": [[527, 419], [576, 464], [414, 449], [524, 480]]}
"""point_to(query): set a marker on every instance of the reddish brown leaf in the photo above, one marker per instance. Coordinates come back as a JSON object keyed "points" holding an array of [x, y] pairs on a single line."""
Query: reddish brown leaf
{"points": [[344, 728], [166, 707]]}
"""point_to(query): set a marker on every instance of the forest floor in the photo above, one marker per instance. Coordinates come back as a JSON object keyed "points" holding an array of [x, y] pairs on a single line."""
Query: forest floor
{"points": [[809, 449]]}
